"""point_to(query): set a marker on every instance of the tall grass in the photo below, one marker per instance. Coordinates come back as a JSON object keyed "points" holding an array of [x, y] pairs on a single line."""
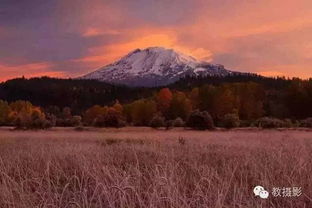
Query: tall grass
{"points": [[153, 168]]}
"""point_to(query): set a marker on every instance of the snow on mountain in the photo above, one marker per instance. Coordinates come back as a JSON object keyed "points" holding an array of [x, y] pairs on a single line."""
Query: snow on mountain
{"points": [[155, 66]]}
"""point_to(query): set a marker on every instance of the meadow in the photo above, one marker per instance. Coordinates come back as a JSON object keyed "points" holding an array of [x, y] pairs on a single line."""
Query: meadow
{"points": [[143, 167]]}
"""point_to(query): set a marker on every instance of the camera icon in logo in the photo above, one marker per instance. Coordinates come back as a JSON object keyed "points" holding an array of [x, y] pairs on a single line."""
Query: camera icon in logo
{"points": [[261, 192]]}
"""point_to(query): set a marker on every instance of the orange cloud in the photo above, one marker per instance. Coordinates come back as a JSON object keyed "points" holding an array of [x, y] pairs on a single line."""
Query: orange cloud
{"points": [[275, 27], [145, 38], [271, 73], [302, 71], [91, 32], [110, 53], [28, 70]]}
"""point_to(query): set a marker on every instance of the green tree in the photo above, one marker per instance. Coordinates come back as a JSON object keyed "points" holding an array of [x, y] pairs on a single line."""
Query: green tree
{"points": [[200, 120], [206, 97], [194, 97]]}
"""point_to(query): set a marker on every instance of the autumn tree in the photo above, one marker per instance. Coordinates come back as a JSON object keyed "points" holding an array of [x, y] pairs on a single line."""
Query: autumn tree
{"points": [[21, 106], [163, 100], [4, 112], [105, 116], [92, 113], [38, 120], [180, 106], [142, 111], [224, 102], [112, 118], [251, 99], [230, 120], [20, 114], [24, 115], [127, 113], [194, 97], [206, 97]]}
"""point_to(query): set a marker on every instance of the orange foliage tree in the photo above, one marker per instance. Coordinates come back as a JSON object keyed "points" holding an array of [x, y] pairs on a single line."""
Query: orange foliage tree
{"points": [[163, 100]]}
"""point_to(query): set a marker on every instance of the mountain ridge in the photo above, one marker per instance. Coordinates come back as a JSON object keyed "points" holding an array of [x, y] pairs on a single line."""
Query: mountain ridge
{"points": [[155, 66]]}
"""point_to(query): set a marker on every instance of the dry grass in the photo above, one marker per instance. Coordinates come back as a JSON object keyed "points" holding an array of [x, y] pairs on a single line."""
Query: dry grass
{"points": [[149, 168]]}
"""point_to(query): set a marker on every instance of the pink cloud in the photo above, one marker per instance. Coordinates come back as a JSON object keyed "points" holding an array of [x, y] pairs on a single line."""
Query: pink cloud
{"points": [[28, 70]]}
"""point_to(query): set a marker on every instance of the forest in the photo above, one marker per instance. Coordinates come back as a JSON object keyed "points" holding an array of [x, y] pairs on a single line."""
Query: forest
{"points": [[203, 103]]}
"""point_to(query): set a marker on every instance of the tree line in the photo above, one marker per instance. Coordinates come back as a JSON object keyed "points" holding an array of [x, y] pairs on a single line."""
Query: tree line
{"points": [[260, 102]]}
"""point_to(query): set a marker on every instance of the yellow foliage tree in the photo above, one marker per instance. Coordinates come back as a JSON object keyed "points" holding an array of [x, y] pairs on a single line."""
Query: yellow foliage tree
{"points": [[4, 112], [94, 112], [180, 106], [142, 111]]}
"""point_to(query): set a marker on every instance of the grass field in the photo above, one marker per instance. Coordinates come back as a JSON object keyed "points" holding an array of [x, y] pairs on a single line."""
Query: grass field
{"points": [[140, 167]]}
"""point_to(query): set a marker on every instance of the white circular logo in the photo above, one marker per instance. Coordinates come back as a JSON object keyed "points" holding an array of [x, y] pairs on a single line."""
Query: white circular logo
{"points": [[261, 192]]}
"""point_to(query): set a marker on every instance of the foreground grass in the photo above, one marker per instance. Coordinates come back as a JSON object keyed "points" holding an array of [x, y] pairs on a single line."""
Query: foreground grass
{"points": [[148, 168]]}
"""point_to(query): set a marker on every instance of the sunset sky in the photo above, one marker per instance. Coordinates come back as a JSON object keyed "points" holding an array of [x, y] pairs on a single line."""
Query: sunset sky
{"points": [[68, 38]]}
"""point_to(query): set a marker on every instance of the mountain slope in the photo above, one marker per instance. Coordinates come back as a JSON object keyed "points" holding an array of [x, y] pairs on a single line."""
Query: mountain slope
{"points": [[154, 66]]}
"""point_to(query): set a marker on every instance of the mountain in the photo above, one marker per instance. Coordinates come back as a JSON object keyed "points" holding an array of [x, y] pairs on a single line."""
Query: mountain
{"points": [[155, 66]]}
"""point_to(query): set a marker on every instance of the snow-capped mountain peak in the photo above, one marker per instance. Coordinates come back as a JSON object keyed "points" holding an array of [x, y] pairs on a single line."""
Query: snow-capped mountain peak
{"points": [[154, 66]]}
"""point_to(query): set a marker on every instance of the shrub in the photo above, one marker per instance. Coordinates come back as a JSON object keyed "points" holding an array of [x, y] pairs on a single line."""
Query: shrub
{"points": [[200, 120], [112, 118], [52, 119], [60, 122], [247, 123], [230, 121], [287, 123], [169, 124], [268, 123], [296, 123], [306, 123], [99, 121], [80, 128], [21, 121], [75, 121], [178, 122], [40, 123], [69, 122], [157, 122]]}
